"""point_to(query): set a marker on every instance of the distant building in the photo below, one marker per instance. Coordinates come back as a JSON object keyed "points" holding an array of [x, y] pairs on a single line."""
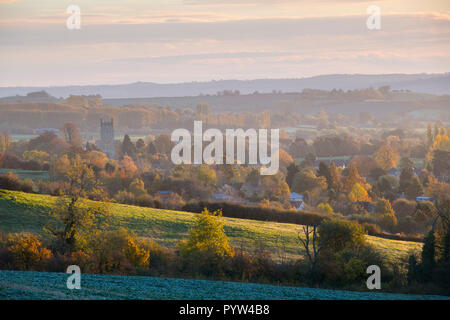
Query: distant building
{"points": [[165, 193], [107, 137], [420, 199], [296, 200], [43, 130], [221, 197]]}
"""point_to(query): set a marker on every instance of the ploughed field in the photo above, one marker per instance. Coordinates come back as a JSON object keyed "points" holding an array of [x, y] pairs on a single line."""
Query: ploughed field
{"points": [[44, 285], [29, 213]]}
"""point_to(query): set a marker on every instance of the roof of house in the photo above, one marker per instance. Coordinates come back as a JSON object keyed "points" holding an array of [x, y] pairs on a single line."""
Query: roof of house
{"points": [[221, 196], [165, 192], [295, 196]]}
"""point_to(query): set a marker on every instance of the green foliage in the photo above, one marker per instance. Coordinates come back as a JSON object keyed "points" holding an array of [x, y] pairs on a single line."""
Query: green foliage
{"points": [[207, 247], [207, 235], [325, 207], [137, 188], [385, 214], [404, 208], [75, 222], [350, 265], [335, 235], [428, 254], [307, 180], [30, 212]]}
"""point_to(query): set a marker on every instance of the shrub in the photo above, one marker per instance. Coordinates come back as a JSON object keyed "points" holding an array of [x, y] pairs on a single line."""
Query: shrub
{"points": [[336, 235], [207, 245], [404, 208], [163, 259], [371, 228], [325, 207], [174, 202], [207, 235], [348, 267], [27, 252], [118, 252], [240, 211], [387, 221], [124, 197], [145, 200], [11, 181]]}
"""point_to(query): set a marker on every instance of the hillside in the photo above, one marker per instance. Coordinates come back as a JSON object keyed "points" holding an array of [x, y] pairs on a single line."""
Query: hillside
{"points": [[427, 83], [29, 212], [43, 285]]}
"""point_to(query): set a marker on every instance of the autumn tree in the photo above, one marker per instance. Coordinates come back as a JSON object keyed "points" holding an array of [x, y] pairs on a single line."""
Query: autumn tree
{"points": [[429, 136], [335, 235], [385, 214], [441, 163], [74, 219], [386, 157], [359, 193], [162, 144], [414, 188], [72, 134], [335, 178], [128, 148], [306, 180], [285, 159], [5, 142], [203, 108], [351, 178], [299, 148], [292, 170], [137, 188], [207, 245], [36, 155], [324, 171], [364, 164]]}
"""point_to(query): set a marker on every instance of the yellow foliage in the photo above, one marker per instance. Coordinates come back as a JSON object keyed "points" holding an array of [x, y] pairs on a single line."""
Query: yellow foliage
{"points": [[441, 142], [118, 251], [386, 157], [359, 193], [207, 235], [27, 252]]}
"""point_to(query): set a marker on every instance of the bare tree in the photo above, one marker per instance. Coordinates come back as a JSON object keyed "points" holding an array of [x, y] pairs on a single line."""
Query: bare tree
{"points": [[308, 242]]}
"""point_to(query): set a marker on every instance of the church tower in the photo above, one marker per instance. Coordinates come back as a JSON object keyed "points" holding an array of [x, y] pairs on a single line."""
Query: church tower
{"points": [[107, 137]]}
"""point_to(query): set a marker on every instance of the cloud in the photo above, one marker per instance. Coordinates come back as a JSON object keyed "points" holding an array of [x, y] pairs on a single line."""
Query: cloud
{"points": [[263, 2], [243, 49]]}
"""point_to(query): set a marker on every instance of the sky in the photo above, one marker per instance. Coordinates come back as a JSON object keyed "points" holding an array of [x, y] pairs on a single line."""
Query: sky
{"points": [[126, 41]]}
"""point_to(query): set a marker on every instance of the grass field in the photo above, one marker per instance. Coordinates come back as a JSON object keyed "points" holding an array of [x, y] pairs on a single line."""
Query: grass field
{"points": [[43, 285], [29, 212], [31, 174]]}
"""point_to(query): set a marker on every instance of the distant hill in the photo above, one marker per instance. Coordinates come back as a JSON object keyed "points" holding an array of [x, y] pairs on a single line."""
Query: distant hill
{"points": [[425, 83], [38, 96]]}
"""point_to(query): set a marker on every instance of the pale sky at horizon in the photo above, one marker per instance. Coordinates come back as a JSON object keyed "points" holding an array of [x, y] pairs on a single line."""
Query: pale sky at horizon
{"points": [[198, 40]]}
